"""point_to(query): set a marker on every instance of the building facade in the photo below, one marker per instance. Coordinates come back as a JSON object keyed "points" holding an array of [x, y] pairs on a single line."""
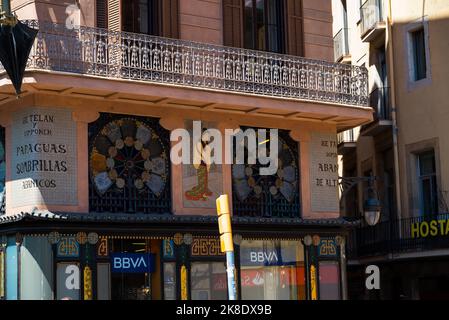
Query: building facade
{"points": [[93, 208], [403, 44]]}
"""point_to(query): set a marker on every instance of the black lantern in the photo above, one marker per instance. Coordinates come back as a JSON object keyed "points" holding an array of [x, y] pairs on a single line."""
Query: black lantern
{"points": [[371, 207]]}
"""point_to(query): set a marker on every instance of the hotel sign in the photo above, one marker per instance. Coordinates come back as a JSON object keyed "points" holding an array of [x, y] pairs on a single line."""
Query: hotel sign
{"points": [[43, 157], [431, 228], [324, 172]]}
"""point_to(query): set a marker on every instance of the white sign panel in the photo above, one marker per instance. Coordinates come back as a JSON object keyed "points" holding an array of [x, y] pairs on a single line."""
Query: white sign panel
{"points": [[324, 172], [44, 157]]}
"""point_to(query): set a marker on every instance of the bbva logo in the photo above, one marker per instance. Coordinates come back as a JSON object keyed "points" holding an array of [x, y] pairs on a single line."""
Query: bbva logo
{"points": [[127, 263]]}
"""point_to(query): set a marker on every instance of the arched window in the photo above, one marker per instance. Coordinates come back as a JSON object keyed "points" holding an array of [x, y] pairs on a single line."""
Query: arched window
{"points": [[129, 165], [274, 195]]}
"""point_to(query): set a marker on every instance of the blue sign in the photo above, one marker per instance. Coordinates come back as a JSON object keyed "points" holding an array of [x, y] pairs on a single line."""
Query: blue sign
{"points": [[132, 263], [259, 256]]}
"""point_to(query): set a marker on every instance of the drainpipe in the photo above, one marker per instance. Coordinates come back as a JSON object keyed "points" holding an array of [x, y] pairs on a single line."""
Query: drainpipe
{"points": [[389, 42]]}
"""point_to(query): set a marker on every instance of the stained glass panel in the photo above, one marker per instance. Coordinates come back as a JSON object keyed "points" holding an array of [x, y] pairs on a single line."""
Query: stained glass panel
{"points": [[129, 165]]}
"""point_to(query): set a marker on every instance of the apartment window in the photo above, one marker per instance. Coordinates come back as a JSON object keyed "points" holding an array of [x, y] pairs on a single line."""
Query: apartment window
{"points": [[267, 25], [419, 54], [263, 25], [428, 192], [140, 16]]}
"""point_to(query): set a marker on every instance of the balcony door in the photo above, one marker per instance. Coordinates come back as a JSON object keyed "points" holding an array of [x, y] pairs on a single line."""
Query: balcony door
{"points": [[140, 16]]}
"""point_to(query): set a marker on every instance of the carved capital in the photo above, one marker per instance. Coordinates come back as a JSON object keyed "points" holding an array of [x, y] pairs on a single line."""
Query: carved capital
{"points": [[171, 123], [5, 119], [299, 135], [85, 116]]}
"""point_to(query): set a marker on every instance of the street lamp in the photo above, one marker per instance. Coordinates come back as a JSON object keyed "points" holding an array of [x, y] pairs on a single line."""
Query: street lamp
{"points": [[371, 206]]}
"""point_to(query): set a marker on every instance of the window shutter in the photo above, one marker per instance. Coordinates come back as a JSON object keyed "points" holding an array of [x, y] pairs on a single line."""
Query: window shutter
{"points": [[295, 33], [101, 13], [114, 20], [233, 23], [170, 18]]}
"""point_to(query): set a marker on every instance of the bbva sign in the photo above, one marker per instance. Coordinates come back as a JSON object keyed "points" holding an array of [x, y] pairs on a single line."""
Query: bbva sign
{"points": [[132, 263]]}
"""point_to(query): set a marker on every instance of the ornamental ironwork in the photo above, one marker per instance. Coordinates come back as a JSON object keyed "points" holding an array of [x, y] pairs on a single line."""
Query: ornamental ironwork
{"points": [[129, 165], [269, 195], [121, 55]]}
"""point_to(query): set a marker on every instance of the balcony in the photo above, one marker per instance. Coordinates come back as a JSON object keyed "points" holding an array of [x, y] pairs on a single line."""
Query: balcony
{"points": [[341, 46], [372, 20], [108, 55], [346, 141], [380, 102], [398, 237]]}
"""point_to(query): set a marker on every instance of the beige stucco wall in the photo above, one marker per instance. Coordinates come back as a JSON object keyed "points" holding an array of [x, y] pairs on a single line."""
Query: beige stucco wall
{"points": [[423, 110]]}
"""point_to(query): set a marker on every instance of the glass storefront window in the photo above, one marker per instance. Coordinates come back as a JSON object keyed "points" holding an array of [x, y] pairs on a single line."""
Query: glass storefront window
{"points": [[272, 270], [170, 281], [208, 281], [68, 281], [329, 280]]}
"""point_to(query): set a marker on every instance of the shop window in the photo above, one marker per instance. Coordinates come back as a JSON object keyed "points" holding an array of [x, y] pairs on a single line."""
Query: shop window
{"points": [[272, 270], [2, 274], [129, 165], [169, 281], [68, 281], [274, 195], [428, 192], [208, 281], [103, 281], [2, 170], [329, 280]]}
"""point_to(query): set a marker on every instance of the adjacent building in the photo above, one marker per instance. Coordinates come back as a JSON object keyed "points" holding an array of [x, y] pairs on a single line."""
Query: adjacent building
{"points": [[93, 208], [403, 44]]}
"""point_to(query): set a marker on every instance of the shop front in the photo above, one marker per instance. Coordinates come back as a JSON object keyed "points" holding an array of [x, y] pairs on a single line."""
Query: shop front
{"points": [[87, 265]]}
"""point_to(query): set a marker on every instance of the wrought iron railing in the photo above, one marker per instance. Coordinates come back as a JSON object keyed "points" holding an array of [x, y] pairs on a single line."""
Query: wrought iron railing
{"points": [[380, 102], [346, 136], [120, 55], [341, 44], [371, 13], [399, 236]]}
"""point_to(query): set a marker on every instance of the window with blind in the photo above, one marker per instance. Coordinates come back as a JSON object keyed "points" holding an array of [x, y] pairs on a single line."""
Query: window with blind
{"points": [[267, 25]]}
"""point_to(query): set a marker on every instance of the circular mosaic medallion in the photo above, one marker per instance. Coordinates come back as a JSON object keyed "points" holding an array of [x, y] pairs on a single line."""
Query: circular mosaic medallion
{"points": [[81, 237], [188, 239], [307, 240], [92, 237], [316, 240], [178, 239], [53, 237]]}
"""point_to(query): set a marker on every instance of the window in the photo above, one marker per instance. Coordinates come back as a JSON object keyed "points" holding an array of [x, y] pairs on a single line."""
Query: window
{"points": [[208, 281], [272, 270], [169, 280], [129, 165], [2, 170], [68, 281], [428, 192], [263, 25], [419, 54], [140, 16], [329, 280]]}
